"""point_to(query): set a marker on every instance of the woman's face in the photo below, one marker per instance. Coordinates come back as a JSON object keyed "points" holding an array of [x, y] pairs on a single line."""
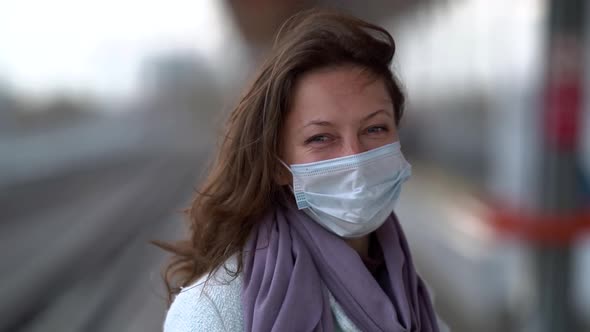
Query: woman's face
{"points": [[337, 112]]}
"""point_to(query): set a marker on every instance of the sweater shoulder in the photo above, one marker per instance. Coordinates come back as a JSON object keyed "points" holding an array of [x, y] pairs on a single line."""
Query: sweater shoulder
{"points": [[209, 304]]}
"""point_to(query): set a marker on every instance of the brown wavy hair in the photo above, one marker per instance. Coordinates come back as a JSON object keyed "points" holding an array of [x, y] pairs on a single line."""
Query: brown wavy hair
{"points": [[243, 180]]}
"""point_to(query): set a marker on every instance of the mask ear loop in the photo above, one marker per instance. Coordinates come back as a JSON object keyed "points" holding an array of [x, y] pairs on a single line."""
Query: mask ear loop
{"points": [[284, 164], [299, 197], [289, 169]]}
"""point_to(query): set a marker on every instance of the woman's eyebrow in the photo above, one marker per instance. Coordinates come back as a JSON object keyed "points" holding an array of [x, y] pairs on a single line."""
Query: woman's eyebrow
{"points": [[323, 123], [318, 123], [378, 112]]}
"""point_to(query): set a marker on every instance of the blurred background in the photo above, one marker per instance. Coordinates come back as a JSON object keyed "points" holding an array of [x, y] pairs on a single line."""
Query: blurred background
{"points": [[109, 111]]}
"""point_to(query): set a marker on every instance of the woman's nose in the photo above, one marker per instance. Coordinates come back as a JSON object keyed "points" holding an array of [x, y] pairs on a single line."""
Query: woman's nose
{"points": [[353, 146]]}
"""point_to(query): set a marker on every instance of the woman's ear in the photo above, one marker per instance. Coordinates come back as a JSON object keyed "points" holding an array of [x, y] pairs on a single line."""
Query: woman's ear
{"points": [[282, 175]]}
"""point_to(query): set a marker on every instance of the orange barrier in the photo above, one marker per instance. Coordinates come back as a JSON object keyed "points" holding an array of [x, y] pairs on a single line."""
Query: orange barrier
{"points": [[546, 229]]}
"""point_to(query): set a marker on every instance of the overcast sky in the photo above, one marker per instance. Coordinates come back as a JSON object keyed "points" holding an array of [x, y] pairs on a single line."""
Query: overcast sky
{"points": [[98, 45]]}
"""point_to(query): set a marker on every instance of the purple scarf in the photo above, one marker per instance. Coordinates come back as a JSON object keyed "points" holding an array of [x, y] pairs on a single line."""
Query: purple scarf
{"points": [[290, 262]]}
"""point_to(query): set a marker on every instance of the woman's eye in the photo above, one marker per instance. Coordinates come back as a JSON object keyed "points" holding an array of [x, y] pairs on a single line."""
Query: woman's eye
{"points": [[317, 139], [376, 129]]}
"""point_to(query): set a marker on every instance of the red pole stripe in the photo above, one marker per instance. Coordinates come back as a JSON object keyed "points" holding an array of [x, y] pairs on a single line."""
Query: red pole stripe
{"points": [[545, 229]]}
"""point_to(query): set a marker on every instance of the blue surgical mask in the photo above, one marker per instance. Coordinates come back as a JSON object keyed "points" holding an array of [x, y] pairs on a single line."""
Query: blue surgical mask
{"points": [[351, 196]]}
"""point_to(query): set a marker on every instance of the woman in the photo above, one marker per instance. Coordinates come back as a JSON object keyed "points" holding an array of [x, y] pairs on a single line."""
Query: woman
{"points": [[293, 229]]}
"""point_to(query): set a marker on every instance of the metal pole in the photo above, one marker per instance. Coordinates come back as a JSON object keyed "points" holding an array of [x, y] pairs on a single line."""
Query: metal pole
{"points": [[558, 182]]}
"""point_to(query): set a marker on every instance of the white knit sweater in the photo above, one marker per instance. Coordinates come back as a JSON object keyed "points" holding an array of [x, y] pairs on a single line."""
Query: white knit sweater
{"points": [[216, 306]]}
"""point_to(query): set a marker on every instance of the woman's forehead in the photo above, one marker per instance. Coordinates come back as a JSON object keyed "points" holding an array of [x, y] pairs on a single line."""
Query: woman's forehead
{"points": [[337, 92], [344, 79]]}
